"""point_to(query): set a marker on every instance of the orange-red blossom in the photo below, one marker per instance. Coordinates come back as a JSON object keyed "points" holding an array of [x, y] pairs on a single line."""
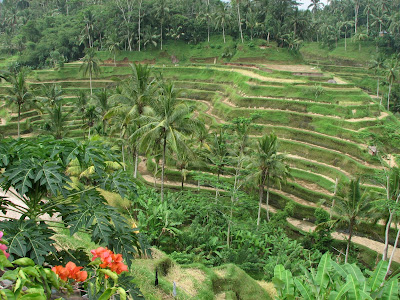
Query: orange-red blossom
{"points": [[71, 271], [109, 260]]}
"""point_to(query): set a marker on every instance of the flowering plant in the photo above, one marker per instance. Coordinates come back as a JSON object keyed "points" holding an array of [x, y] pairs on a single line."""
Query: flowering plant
{"points": [[3, 247]]}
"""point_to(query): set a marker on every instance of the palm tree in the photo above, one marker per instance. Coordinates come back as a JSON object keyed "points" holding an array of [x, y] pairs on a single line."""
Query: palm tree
{"points": [[172, 121], [56, 121], [239, 19], [162, 13], [113, 45], [391, 76], [102, 103], [315, 6], [351, 205], [52, 95], [137, 93], [267, 163], [18, 93], [367, 11], [222, 18], [218, 154], [377, 64], [90, 65], [359, 36], [346, 25]]}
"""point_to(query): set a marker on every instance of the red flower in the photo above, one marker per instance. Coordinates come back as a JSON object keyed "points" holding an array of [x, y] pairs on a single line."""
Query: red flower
{"points": [[70, 271], [109, 260]]}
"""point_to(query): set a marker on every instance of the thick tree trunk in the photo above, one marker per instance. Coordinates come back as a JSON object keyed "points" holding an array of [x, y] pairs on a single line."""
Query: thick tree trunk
{"points": [[349, 240], [163, 168]]}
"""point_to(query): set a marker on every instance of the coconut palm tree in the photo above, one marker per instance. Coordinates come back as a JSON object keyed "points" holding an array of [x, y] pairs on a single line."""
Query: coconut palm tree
{"points": [[172, 121], [102, 102], [56, 121], [134, 100], [391, 76], [218, 154], [378, 64], [90, 65], [351, 205], [267, 164], [19, 92], [222, 17]]}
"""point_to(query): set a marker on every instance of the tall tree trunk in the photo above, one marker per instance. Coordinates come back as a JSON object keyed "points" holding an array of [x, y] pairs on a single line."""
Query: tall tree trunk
{"points": [[260, 196], [139, 23], [387, 230], [345, 40], [239, 22], [161, 34], [268, 38], [377, 88], [228, 235], [90, 82], [367, 24], [19, 118], [388, 99], [267, 201], [216, 186], [393, 251], [163, 168], [349, 239], [223, 33], [136, 154]]}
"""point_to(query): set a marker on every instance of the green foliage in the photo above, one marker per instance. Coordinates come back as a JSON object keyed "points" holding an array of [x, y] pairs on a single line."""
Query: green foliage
{"points": [[29, 281], [333, 281]]}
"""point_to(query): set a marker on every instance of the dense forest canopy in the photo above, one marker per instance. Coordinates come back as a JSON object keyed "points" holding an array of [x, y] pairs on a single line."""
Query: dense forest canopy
{"points": [[45, 31]]}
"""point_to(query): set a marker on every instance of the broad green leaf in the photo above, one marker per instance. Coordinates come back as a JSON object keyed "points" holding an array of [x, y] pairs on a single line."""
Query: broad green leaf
{"points": [[305, 292], [356, 272], [24, 261], [109, 273], [391, 290], [107, 294], [339, 269], [378, 276], [122, 293], [9, 295], [365, 295], [36, 296], [322, 277], [338, 295], [354, 289], [4, 262]]}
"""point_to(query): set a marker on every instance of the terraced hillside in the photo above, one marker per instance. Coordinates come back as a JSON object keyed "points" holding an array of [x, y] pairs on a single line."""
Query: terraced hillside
{"points": [[322, 126]]}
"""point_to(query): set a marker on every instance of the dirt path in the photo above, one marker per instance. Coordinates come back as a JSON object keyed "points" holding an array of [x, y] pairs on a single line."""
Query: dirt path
{"points": [[339, 80], [380, 117], [72, 80], [293, 68], [264, 78], [10, 214], [371, 244]]}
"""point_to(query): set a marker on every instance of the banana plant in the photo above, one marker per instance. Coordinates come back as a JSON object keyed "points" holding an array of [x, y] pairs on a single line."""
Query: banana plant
{"points": [[334, 281]]}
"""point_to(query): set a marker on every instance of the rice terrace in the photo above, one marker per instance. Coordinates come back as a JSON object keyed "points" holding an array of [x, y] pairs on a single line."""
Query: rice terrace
{"points": [[199, 149]]}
